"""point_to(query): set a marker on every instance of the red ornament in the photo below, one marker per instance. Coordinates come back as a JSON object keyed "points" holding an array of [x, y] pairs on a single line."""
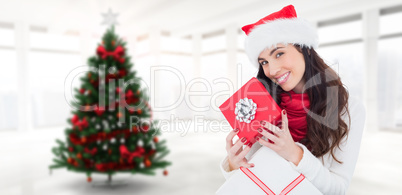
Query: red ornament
{"points": [[113, 43], [95, 83], [165, 172], [139, 111], [119, 114], [122, 72], [82, 90], [70, 160], [145, 128], [79, 156], [110, 76], [147, 163], [156, 139], [118, 90], [74, 119], [99, 110], [135, 129], [100, 167], [89, 179], [83, 139], [87, 108], [89, 75], [129, 94], [71, 149]]}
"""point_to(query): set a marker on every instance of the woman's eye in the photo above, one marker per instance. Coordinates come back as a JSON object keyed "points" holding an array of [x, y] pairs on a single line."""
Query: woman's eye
{"points": [[263, 63], [279, 54]]}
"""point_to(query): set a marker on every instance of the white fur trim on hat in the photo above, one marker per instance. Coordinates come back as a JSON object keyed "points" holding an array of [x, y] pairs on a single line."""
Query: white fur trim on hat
{"points": [[285, 31]]}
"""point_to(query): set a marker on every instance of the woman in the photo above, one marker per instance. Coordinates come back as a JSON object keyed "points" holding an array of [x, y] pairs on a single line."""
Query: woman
{"points": [[321, 126]]}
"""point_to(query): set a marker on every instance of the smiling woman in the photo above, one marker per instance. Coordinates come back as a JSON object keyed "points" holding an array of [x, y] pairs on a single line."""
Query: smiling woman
{"points": [[285, 66], [321, 125]]}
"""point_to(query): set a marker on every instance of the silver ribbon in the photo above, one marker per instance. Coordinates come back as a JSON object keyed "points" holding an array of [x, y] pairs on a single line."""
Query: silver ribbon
{"points": [[245, 110]]}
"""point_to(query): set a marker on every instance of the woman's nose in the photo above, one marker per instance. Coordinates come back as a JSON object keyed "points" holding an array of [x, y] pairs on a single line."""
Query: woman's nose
{"points": [[274, 68]]}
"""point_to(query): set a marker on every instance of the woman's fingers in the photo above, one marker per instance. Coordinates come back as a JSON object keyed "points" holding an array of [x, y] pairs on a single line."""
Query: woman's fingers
{"points": [[247, 165], [268, 135], [237, 146], [229, 139], [245, 151], [270, 126], [284, 120], [267, 144]]}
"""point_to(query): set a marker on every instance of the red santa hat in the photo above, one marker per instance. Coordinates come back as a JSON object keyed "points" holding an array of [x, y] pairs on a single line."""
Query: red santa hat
{"points": [[279, 27]]}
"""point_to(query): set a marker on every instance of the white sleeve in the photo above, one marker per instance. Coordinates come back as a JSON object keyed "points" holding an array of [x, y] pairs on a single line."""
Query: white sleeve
{"points": [[336, 178], [224, 166]]}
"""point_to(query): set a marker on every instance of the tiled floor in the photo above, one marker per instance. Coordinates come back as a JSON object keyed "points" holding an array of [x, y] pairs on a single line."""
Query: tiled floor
{"points": [[24, 160]]}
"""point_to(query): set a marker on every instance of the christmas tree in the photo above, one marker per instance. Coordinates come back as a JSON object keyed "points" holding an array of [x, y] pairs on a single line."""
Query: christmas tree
{"points": [[111, 126]]}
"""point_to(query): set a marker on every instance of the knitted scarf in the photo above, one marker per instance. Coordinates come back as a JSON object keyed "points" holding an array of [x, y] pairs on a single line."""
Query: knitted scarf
{"points": [[296, 106]]}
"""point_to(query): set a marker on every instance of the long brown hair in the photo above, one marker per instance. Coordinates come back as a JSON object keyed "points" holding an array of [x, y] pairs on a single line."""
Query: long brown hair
{"points": [[328, 103]]}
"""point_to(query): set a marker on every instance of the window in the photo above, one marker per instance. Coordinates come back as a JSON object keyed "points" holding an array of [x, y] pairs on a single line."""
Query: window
{"points": [[8, 79], [175, 55], [341, 47], [341, 29], [347, 61], [214, 66], [390, 68], [388, 21], [8, 90], [390, 82], [214, 42], [51, 58], [178, 45], [7, 36]]}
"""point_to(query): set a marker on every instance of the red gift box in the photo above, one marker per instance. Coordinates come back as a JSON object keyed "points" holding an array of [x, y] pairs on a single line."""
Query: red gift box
{"points": [[247, 107]]}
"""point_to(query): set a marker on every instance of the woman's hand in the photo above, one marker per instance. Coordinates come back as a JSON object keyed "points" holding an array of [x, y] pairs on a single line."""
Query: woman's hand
{"points": [[236, 153], [283, 143]]}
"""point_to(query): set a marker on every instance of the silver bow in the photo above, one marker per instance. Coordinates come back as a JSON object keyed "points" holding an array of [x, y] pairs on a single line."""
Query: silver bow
{"points": [[245, 110]]}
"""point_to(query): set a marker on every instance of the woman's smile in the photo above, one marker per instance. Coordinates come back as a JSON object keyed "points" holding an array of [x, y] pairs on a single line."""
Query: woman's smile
{"points": [[283, 78]]}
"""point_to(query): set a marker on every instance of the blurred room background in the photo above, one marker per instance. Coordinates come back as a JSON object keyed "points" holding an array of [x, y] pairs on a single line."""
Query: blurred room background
{"points": [[183, 47]]}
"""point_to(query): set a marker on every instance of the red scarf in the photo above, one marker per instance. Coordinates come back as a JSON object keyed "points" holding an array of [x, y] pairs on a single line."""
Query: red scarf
{"points": [[296, 107]]}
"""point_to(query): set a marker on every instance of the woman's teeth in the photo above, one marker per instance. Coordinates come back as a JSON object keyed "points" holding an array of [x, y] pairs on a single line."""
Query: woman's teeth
{"points": [[282, 78]]}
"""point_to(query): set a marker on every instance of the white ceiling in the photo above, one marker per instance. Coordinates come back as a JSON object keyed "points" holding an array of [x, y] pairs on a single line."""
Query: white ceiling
{"points": [[180, 17]]}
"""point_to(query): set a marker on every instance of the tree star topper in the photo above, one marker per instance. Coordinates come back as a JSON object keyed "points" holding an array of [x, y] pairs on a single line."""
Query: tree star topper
{"points": [[109, 18]]}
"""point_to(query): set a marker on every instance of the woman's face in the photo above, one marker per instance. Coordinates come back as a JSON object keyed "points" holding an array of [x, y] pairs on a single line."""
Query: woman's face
{"points": [[284, 65]]}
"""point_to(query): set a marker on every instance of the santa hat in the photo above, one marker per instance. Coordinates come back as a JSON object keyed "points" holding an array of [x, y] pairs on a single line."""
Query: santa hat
{"points": [[279, 27]]}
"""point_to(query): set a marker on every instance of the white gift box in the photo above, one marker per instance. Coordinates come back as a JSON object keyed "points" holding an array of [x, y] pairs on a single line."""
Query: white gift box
{"points": [[271, 175]]}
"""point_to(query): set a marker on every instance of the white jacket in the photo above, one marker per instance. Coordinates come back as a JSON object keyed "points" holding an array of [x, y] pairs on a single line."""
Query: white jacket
{"points": [[326, 174]]}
